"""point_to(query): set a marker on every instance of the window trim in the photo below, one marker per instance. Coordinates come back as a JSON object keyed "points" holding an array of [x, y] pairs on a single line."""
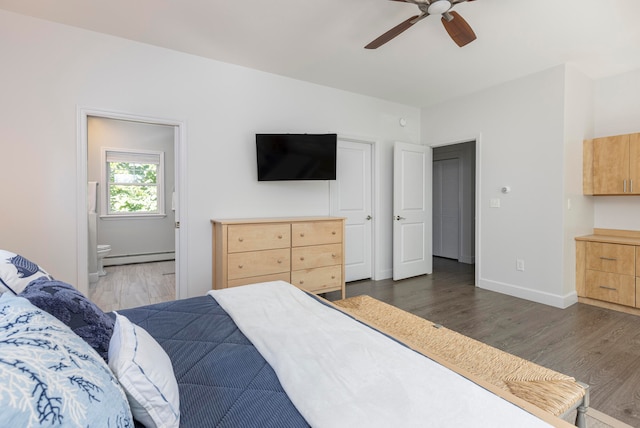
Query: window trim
{"points": [[131, 154]]}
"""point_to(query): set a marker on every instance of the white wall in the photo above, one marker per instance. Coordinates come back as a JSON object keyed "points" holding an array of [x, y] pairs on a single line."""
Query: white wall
{"points": [[51, 70], [578, 209], [531, 132], [617, 101], [520, 128]]}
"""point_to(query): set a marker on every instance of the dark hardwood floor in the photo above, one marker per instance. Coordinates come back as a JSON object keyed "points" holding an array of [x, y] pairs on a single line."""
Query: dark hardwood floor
{"points": [[597, 346]]}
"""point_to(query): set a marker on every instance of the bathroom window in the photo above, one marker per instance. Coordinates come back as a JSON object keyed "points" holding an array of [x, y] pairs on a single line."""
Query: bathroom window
{"points": [[134, 183]]}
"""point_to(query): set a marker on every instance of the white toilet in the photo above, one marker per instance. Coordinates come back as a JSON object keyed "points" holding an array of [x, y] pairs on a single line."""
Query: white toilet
{"points": [[103, 250]]}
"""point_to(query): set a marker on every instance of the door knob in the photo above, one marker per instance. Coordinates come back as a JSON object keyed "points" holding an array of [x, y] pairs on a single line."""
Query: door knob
{"points": [[369, 217], [399, 218]]}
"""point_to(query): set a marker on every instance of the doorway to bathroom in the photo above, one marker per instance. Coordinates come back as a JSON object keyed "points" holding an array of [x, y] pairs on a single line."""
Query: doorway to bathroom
{"points": [[133, 236]]}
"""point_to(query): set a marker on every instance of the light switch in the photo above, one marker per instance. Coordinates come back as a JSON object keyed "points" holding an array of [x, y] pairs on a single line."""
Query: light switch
{"points": [[494, 203]]}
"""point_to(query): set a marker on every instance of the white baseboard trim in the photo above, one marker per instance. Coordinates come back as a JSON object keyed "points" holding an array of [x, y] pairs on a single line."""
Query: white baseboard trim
{"points": [[537, 296], [383, 274], [470, 260], [529, 294], [93, 277]]}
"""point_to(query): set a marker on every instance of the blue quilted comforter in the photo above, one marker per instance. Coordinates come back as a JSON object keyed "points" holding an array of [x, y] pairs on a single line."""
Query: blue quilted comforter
{"points": [[223, 379]]}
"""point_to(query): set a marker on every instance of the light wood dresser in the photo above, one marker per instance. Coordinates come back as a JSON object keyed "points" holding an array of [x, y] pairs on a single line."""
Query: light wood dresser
{"points": [[608, 269], [305, 251]]}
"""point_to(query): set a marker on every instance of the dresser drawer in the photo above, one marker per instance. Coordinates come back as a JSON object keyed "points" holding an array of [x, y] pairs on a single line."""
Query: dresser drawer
{"points": [[614, 258], [285, 276], [316, 233], [316, 256], [257, 263], [318, 280], [611, 287], [253, 237]]}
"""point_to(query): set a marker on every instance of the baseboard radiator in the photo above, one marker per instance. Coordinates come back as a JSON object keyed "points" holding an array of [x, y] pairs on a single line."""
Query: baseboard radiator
{"points": [[127, 259]]}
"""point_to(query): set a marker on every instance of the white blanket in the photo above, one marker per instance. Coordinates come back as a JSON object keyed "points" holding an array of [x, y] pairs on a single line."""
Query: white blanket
{"points": [[341, 373]]}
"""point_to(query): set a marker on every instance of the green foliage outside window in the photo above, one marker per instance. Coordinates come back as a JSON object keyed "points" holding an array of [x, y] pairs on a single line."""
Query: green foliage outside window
{"points": [[133, 187]]}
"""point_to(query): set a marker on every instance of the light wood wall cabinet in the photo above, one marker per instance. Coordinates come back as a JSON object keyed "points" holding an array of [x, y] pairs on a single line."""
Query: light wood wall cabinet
{"points": [[305, 251], [608, 269], [612, 165]]}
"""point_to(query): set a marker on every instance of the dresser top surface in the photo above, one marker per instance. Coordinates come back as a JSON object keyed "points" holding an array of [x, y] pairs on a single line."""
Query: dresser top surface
{"points": [[273, 220]]}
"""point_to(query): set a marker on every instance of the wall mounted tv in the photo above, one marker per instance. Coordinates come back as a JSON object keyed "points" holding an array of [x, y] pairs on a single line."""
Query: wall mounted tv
{"points": [[296, 156]]}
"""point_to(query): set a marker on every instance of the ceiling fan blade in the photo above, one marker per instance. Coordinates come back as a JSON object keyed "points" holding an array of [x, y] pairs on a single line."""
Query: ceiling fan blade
{"points": [[459, 30], [395, 31]]}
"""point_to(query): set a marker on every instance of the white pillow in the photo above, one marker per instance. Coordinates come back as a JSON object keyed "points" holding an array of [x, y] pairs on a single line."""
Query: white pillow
{"points": [[145, 372]]}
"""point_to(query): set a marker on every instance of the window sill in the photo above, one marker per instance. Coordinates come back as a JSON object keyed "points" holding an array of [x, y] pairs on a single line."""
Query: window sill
{"points": [[130, 216]]}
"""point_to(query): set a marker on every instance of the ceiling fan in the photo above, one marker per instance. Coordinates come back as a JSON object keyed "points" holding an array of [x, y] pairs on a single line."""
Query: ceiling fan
{"points": [[456, 26]]}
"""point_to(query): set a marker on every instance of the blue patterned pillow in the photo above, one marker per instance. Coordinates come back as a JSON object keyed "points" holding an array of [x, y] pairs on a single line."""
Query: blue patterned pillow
{"points": [[71, 307], [16, 272], [51, 377]]}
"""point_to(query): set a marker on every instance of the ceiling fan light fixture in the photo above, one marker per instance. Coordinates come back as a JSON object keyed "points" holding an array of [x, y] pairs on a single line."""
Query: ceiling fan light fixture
{"points": [[439, 7], [457, 28]]}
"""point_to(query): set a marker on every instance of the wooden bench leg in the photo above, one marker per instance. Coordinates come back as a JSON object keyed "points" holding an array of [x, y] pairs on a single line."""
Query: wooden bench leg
{"points": [[581, 416]]}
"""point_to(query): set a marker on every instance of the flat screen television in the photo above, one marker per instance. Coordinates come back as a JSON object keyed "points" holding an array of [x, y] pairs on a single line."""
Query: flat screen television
{"points": [[296, 156]]}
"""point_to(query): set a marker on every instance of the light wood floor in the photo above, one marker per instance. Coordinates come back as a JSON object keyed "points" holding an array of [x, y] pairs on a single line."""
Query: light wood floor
{"points": [[128, 286], [597, 346]]}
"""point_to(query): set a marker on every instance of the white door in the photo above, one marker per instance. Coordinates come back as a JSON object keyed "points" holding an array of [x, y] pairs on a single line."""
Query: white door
{"points": [[446, 208], [351, 198], [412, 239]]}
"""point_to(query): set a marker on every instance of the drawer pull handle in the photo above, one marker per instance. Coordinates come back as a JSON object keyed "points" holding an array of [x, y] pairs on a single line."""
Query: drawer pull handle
{"points": [[611, 259], [240, 239], [608, 288], [333, 277], [301, 259], [302, 235], [333, 255], [301, 282], [333, 233], [279, 261], [239, 266], [279, 236]]}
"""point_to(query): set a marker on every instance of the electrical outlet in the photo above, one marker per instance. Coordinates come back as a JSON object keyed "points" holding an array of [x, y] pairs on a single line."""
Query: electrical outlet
{"points": [[520, 265]]}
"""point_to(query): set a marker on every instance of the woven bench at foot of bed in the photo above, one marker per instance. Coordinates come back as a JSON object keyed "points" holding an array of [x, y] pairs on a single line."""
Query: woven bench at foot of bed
{"points": [[549, 390]]}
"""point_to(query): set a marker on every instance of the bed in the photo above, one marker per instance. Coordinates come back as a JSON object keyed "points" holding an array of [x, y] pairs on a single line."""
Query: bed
{"points": [[458, 406], [261, 355]]}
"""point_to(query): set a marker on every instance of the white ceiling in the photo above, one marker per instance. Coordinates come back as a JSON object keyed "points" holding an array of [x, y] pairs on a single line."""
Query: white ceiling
{"points": [[322, 41]]}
